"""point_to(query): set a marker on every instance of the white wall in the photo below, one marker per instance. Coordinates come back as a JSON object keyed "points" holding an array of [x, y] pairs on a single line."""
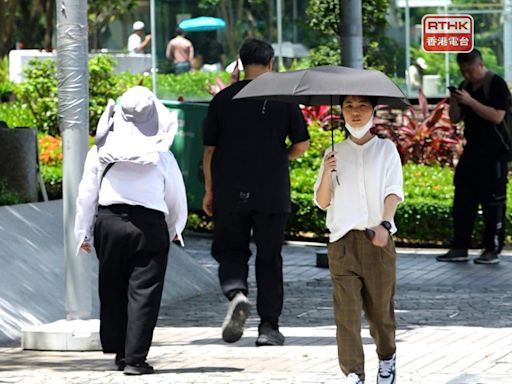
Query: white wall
{"points": [[18, 58]]}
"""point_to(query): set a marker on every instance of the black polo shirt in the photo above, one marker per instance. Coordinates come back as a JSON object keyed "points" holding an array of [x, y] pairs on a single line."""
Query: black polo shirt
{"points": [[480, 134], [250, 162]]}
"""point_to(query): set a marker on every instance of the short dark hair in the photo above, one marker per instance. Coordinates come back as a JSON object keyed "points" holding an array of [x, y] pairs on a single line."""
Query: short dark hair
{"points": [[254, 51], [179, 32], [374, 100], [469, 57]]}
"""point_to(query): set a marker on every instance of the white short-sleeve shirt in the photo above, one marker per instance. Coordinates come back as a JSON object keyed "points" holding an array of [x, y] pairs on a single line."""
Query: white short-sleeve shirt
{"points": [[367, 174]]}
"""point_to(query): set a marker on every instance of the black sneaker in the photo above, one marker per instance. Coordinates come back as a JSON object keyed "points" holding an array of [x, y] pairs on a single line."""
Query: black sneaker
{"points": [[487, 257], [454, 255], [238, 311], [268, 335], [120, 362], [138, 369]]}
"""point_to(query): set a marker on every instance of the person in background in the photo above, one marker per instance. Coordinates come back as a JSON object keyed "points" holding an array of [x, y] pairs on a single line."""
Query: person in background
{"points": [[481, 173], [415, 74], [247, 190], [131, 204], [181, 52], [136, 44], [360, 185], [212, 54]]}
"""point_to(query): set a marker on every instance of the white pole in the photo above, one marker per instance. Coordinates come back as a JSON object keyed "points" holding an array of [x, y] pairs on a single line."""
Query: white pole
{"points": [[446, 60], [279, 13], [407, 47], [153, 45], [507, 39], [73, 118]]}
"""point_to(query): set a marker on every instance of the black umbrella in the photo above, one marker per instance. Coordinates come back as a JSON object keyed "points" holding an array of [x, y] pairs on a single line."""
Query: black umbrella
{"points": [[324, 85]]}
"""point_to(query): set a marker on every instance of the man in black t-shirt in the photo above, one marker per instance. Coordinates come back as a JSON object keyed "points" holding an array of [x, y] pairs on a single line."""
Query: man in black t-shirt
{"points": [[247, 189], [481, 173]]}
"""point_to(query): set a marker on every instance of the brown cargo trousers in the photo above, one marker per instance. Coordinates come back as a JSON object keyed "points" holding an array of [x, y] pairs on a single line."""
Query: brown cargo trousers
{"points": [[363, 277]]}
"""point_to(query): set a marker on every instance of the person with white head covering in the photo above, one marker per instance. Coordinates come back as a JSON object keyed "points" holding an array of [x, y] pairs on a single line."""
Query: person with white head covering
{"points": [[415, 73], [131, 204], [137, 44]]}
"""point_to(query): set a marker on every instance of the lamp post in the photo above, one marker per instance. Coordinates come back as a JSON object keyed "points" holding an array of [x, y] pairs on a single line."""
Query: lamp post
{"points": [[73, 117]]}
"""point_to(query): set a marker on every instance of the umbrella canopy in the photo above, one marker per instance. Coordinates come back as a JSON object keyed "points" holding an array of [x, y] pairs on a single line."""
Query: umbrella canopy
{"points": [[324, 85], [203, 23]]}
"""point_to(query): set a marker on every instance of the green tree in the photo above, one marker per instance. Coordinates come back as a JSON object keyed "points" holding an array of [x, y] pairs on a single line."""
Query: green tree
{"points": [[324, 16], [243, 19], [7, 26], [33, 21]]}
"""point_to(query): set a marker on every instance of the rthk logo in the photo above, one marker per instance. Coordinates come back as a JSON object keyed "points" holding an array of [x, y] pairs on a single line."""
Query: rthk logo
{"points": [[447, 33]]}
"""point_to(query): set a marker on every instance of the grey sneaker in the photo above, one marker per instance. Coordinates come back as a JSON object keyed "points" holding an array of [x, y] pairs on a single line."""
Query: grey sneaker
{"points": [[487, 257], [353, 378], [454, 255], [269, 336], [387, 371], [238, 311]]}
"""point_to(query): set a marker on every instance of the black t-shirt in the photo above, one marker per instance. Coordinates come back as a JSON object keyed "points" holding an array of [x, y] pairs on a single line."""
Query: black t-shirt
{"points": [[250, 162], [480, 134]]}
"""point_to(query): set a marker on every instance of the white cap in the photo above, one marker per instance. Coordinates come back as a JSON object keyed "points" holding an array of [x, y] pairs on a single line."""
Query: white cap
{"points": [[421, 62], [138, 25]]}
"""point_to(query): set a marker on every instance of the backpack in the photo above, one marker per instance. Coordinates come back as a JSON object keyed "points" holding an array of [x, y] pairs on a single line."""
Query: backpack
{"points": [[504, 129]]}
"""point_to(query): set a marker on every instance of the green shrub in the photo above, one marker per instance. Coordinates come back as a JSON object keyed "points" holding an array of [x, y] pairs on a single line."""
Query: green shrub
{"points": [[52, 176], [8, 197], [189, 86], [39, 93], [16, 115]]}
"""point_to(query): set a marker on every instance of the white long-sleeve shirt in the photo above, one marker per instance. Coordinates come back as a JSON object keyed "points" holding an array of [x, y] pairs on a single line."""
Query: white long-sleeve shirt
{"points": [[157, 185], [367, 174]]}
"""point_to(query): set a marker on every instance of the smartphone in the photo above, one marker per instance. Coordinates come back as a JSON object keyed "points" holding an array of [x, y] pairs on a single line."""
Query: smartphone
{"points": [[452, 89]]}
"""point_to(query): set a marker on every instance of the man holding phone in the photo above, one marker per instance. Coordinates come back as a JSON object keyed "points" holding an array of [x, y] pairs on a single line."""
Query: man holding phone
{"points": [[481, 173]]}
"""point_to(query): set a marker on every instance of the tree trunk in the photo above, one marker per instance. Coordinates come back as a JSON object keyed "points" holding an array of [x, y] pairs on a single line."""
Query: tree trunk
{"points": [[7, 26], [50, 17]]}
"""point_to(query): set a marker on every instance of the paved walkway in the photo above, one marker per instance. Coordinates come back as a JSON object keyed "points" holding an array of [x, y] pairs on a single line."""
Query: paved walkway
{"points": [[454, 327]]}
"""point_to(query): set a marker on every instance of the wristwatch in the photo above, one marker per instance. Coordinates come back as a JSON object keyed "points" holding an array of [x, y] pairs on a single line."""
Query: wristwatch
{"points": [[386, 224]]}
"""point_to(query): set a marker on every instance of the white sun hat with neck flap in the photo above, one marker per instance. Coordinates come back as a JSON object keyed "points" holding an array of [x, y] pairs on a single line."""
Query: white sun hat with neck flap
{"points": [[140, 124]]}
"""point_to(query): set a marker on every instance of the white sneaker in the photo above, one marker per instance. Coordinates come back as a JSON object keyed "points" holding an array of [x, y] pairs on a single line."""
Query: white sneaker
{"points": [[239, 309], [353, 378], [387, 371]]}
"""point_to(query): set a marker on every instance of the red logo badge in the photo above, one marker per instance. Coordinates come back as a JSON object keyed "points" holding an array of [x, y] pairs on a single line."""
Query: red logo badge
{"points": [[447, 33]]}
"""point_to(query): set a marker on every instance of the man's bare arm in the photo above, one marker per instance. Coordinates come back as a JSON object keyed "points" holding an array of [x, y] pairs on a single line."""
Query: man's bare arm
{"points": [[207, 171], [296, 150]]}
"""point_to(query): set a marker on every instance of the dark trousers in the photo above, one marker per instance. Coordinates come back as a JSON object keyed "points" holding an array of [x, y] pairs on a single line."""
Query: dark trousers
{"points": [[480, 182], [132, 244], [230, 247]]}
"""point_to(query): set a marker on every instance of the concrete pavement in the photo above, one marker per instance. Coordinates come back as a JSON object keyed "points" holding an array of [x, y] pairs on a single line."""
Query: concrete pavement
{"points": [[454, 327]]}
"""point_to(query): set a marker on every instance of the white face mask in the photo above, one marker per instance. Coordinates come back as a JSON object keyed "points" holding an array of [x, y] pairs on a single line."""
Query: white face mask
{"points": [[361, 131]]}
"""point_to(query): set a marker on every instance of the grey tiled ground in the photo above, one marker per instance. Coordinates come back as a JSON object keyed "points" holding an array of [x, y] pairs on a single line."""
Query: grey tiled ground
{"points": [[454, 327]]}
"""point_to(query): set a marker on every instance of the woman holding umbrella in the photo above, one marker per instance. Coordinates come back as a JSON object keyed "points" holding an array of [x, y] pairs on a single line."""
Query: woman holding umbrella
{"points": [[360, 185]]}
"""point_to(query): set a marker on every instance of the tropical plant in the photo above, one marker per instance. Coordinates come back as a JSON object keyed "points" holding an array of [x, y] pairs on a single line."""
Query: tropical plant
{"points": [[422, 136]]}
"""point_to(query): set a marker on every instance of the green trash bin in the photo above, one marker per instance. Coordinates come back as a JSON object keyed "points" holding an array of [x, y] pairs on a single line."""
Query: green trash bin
{"points": [[188, 147]]}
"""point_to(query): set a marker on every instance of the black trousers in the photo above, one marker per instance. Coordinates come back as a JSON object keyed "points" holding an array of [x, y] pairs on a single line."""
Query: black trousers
{"points": [[132, 244], [230, 247], [480, 181]]}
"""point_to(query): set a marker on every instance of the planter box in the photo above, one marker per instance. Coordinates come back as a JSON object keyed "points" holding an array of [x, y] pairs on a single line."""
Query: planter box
{"points": [[18, 161]]}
